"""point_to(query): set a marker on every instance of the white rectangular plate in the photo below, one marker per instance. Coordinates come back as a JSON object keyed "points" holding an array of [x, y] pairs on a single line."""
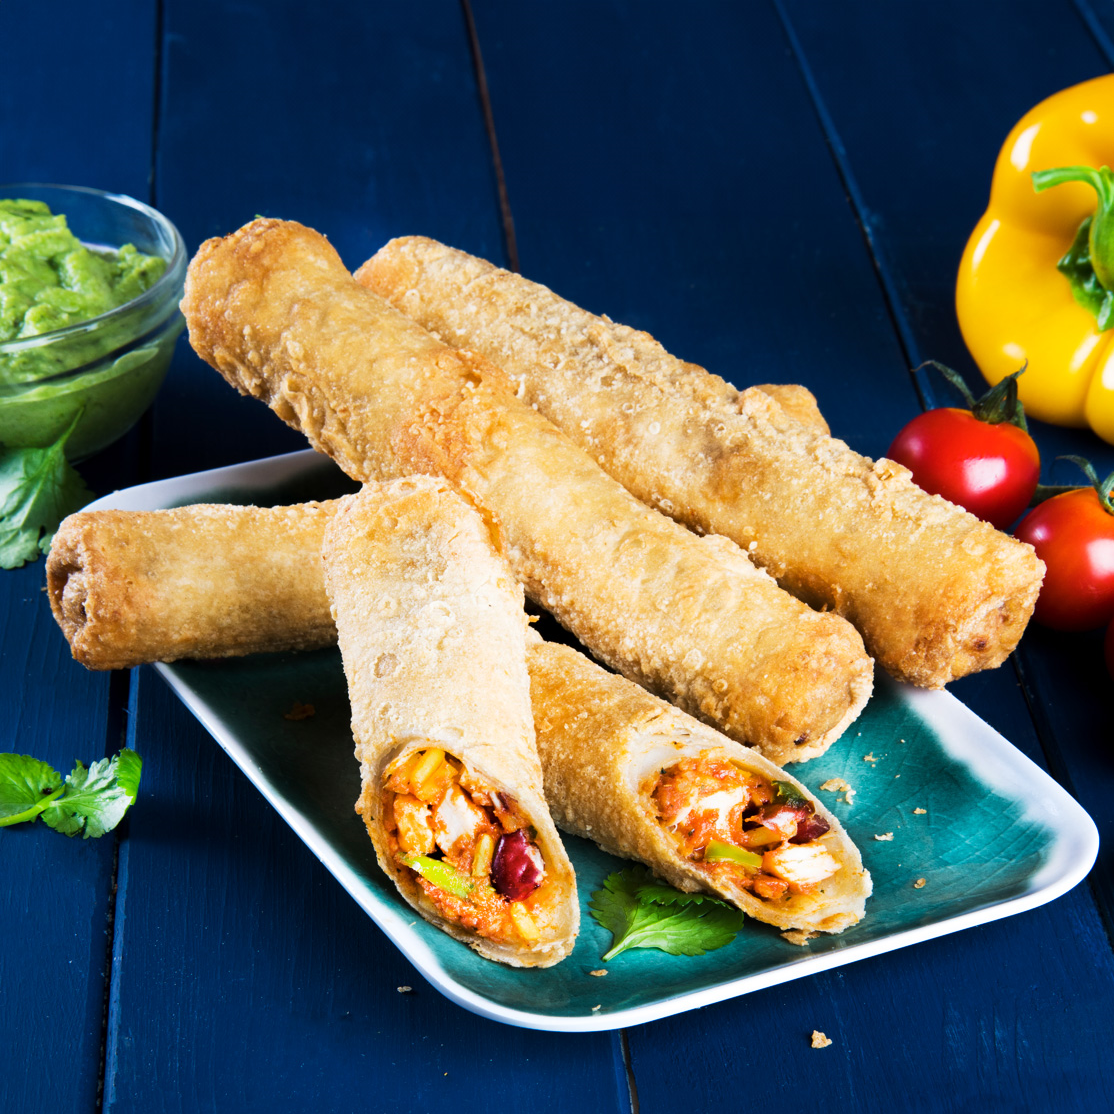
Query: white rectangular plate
{"points": [[998, 836]]}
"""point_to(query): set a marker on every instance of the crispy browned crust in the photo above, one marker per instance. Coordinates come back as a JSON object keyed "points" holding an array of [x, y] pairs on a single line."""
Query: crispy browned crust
{"points": [[205, 581], [273, 309], [600, 737], [432, 634], [936, 593]]}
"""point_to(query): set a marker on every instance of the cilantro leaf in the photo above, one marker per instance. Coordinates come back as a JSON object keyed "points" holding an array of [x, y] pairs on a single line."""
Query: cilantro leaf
{"points": [[96, 798], [642, 913], [38, 488], [92, 800], [24, 783], [661, 893]]}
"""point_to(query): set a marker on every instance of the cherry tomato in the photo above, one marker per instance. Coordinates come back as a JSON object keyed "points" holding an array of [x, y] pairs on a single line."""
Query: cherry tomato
{"points": [[989, 470], [1074, 536]]}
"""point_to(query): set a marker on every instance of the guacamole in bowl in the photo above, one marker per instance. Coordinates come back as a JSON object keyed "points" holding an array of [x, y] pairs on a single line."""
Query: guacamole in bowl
{"points": [[89, 290]]}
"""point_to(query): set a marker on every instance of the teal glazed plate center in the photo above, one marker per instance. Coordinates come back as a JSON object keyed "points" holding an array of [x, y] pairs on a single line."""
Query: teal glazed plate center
{"points": [[970, 829]]}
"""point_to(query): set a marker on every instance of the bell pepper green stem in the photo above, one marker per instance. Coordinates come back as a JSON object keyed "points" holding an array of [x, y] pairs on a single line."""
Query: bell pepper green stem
{"points": [[717, 852], [1101, 233]]}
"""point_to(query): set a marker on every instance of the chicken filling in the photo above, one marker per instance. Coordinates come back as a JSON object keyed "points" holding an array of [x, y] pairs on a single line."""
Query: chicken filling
{"points": [[467, 846], [742, 828]]}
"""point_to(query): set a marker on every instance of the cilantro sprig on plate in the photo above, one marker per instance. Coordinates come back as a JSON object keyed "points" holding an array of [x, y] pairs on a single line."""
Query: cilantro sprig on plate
{"points": [[91, 801], [641, 912]]}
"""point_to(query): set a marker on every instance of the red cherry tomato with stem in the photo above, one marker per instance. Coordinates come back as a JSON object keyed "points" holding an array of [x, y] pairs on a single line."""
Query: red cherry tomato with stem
{"points": [[1073, 534], [989, 470], [981, 459]]}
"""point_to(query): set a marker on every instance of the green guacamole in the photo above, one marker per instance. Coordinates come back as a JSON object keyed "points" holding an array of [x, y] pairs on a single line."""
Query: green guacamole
{"points": [[50, 280]]}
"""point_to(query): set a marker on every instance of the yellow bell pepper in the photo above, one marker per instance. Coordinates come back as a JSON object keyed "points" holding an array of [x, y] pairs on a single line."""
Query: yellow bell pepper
{"points": [[1015, 306]]}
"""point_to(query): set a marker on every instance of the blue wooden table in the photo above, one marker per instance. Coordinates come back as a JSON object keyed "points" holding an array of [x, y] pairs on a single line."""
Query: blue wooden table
{"points": [[779, 190]]}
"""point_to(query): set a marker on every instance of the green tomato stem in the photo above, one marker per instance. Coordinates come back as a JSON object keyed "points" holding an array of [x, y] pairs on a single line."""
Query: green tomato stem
{"points": [[1104, 489]]}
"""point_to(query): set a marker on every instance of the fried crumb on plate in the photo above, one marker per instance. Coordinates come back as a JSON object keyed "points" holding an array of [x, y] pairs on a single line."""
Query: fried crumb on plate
{"points": [[838, 785], [819, 1040], [598, 973], [798, 936], [920, 883], [885, 837], [300, 711], [920, 811]]}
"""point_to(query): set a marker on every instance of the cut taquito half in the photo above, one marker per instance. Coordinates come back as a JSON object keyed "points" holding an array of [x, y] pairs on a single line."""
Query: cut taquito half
{"points": [[645, 781], [432, 635]]}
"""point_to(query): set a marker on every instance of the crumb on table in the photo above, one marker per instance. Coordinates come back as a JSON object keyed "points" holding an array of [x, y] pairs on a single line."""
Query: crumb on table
{"points": [[885, 837], [819, 1040], [920, 883]]}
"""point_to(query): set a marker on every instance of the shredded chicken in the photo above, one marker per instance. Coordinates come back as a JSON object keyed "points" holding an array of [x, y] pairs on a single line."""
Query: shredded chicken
{"points": [[436, 808], [704, 800]]}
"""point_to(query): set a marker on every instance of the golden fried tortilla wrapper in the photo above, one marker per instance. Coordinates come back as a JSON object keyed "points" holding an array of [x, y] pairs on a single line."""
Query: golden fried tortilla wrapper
{"points": [[205, 581], [589, 722], [432, 634], [600, 738], [273, 309], [936, 593]]}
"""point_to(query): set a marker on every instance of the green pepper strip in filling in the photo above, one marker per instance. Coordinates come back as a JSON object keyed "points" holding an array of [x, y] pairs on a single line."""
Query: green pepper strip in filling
{"points": [[762, 833], [469, 847]]}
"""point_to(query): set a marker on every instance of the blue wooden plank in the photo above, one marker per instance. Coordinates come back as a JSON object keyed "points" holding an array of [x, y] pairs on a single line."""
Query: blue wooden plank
{"points": [[244, 974], [81, 114], [55, 894], [1099, 19], [248, 979], [904, 1035], [674, 177], [682, 182], [360, 123], [82, 117]]}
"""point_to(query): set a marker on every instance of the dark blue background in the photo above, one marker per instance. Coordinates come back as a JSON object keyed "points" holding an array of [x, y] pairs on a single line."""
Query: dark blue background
{"points": [[779, 190]]}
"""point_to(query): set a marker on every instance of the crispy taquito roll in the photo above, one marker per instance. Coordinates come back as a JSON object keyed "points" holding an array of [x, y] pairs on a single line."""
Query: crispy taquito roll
{"points": [[432, 634], [647, 782], [274, 310], [204, 581], [936, 593], [599, 735]]}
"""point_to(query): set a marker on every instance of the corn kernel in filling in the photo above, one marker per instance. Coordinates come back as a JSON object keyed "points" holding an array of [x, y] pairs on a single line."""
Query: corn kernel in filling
{"points": [[467, 846]]}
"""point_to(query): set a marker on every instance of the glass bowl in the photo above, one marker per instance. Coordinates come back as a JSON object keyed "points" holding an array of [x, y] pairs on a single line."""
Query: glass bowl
{"points": [[109, 368]]}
